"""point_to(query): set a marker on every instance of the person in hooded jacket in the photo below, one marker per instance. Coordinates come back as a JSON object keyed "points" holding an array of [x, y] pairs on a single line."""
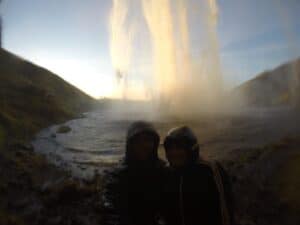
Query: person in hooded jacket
{"points": [[132, 191], [196, 192]]}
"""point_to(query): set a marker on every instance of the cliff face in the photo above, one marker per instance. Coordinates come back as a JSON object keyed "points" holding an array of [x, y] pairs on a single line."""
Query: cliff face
{"points": [[276, 87], [32, 98]]}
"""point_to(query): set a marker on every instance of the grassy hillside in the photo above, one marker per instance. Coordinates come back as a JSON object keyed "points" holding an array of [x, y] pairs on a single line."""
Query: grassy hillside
{"points": [[32, 98], [275, 87], [267, 176]]}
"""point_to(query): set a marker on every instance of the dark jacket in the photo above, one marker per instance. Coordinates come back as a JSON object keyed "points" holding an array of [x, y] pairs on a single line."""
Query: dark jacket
{"points": [[192, 195], [132, 192]]}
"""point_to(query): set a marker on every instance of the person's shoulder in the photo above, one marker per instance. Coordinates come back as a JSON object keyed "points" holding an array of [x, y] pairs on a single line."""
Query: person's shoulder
{"points": [[209, 167], [204, 165], [213, 164], [214, 167]]}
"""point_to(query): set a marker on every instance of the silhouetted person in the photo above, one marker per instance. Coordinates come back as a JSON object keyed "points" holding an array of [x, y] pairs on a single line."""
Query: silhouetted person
{"points": [[195, 192], [132, 192]]}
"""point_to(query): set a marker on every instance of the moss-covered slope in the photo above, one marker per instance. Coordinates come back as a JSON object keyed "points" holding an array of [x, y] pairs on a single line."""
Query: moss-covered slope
{"points": [[32, 98]]}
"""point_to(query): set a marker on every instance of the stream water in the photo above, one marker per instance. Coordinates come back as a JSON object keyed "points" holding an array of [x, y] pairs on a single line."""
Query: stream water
{"points": [[97, 140]]}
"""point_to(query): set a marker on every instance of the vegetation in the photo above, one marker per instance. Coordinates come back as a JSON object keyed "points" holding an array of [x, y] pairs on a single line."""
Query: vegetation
{"points": [[268, 177], [10, 219], [288, 183], [32, 98], [273, 88], [2, 137], [266, 183]]}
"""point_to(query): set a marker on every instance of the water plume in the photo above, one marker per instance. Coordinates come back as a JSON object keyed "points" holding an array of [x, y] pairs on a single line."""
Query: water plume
{"points": [[120, 42], [179, 50]]}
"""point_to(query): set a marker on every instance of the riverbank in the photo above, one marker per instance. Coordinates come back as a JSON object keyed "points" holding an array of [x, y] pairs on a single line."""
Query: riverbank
{"points": [[35, 192], [32, 191], [264, 176]]}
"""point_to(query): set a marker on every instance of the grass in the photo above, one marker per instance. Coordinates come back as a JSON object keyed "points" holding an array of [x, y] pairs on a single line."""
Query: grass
{"points": [[272, 88], [32, 98], [284, 157], [2, 137], [268, 176], [253, 155], [288, 183], [9, 219]]}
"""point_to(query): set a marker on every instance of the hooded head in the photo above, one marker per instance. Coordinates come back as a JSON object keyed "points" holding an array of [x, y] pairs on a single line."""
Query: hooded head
{"points": [[181, 146], [141, 143]]}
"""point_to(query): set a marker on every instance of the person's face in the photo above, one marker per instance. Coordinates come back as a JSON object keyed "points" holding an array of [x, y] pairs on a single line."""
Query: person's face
{"points": [[143, 146], [176, 155]]}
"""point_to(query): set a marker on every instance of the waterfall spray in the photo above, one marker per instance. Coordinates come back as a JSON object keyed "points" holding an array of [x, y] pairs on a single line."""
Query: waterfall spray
{"points": [[183, 66], [120, 42]]}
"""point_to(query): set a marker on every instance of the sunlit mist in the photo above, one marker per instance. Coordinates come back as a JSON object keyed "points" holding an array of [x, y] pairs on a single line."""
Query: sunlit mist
{"points": [[178, 54]]}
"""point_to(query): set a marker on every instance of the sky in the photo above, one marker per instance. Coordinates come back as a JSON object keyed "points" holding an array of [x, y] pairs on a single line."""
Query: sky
{"points": [[71, 38]]}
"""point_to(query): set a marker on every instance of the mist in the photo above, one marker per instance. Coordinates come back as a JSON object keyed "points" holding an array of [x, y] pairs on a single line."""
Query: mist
{"points": [[169, 51]]}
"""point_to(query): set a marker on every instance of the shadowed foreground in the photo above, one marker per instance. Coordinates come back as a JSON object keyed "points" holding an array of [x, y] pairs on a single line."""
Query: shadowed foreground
{"points": [[33, 192]]}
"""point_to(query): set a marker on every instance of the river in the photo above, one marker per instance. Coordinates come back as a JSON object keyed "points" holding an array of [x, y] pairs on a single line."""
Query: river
{"points": [[96, 141]]}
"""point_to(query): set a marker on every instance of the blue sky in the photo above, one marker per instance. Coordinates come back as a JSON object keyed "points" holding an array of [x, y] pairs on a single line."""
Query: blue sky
{"points": [[70, 37]]}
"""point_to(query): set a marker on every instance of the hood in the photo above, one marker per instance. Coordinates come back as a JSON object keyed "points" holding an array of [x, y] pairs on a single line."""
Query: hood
{"points": [[136, 128], [185, 136]]}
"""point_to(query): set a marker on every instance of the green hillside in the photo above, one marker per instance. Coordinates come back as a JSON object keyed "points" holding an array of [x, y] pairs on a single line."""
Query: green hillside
{"points": [[275, 87], [32, 98]]}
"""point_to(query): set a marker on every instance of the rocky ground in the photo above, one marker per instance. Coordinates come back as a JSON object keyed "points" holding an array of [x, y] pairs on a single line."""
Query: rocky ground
{"points": [[266, 184], [31, 190], [34, 192]]}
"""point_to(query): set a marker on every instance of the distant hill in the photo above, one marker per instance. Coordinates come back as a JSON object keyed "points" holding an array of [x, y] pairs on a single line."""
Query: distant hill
{"points": [[32, 98], [275, 87]]}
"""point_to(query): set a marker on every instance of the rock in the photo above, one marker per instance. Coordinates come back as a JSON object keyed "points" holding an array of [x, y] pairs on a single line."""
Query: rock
{"points": [[81, 116], [83, 167], [63, 129], [21, 146], [51, 185], [53, 135]]}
